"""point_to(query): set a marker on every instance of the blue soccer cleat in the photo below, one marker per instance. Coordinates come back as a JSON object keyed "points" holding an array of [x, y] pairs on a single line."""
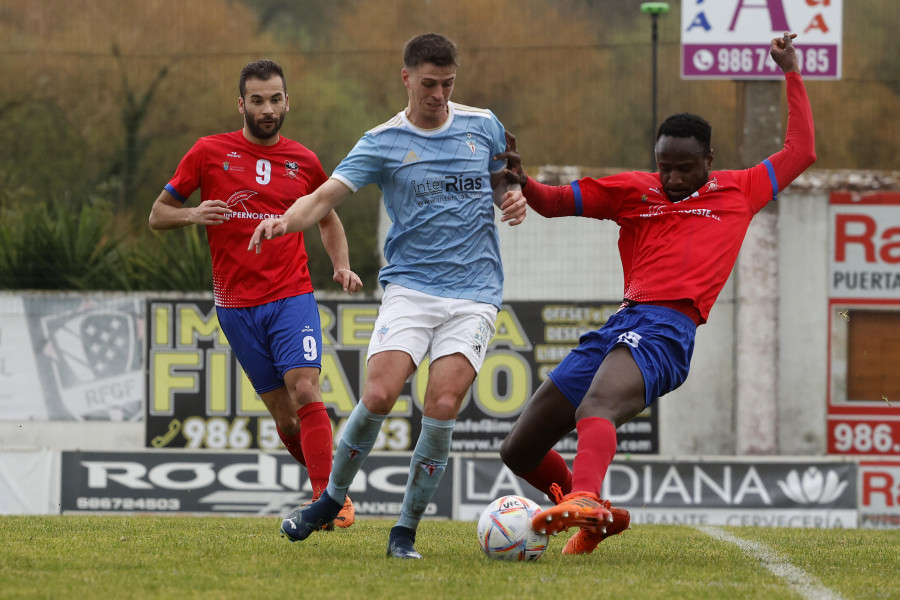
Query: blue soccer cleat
{"points": [[400, 543], [301, 522]]}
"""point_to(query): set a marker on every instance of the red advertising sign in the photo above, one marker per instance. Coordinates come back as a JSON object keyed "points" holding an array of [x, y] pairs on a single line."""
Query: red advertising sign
{"points": [[864, 324]]}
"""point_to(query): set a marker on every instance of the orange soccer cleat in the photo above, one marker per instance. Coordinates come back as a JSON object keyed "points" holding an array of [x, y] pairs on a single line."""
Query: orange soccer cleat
{"points": [[577, 509], [586, 539], [347, 515]]}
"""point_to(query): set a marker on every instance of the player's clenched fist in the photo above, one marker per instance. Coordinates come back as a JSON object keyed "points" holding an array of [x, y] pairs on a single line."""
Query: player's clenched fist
{"points": [[267, 229]]}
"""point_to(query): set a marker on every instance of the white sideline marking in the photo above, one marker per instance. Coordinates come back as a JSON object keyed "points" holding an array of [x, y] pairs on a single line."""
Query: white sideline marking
{"points": [[800, 581]]}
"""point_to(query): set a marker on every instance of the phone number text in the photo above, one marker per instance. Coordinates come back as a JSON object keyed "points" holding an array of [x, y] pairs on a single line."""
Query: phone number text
{"points": [[864, 437], [735, 61], [127, 504]]}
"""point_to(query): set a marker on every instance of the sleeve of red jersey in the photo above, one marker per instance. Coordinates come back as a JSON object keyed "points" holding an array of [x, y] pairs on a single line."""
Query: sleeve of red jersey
{"points": [[549, 200], [799, 151], [585, 197], [187, 176]]}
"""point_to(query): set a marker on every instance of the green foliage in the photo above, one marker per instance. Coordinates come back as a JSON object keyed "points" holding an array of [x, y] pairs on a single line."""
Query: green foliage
{"points": [[64, 246], [215, 557], [175, 260], [59, 246]]}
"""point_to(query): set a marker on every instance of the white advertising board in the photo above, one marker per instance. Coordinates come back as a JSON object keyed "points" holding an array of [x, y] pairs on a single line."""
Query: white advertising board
{"points": [[729, 39]]}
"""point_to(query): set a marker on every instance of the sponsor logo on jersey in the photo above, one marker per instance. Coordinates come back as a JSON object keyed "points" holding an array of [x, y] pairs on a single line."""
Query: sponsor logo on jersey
{"points": [[237, 202], [237, 199], [447, 184]]}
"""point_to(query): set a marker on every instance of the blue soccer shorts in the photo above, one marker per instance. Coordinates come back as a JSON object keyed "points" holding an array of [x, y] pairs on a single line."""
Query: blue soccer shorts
{"points": [[661, 341], [273, 338]]}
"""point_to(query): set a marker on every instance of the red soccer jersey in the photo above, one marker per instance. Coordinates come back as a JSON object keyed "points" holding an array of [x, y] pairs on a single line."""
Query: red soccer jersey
{"points": [[257, 182], [676, 251], [684, 250]]}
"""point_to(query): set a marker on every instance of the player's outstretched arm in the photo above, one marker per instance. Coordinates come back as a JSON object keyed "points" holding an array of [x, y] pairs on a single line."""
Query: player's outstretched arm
{"points": [[169, 213], [799, 152], [335, 241], [784, 54], [303, 213]]}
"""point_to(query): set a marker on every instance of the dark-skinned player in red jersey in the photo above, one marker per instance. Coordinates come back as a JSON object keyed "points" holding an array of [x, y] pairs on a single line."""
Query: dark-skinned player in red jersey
{"points": [[680, 233]]}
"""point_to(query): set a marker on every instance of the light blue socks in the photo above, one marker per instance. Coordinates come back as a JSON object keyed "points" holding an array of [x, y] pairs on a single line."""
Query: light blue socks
{"points": [[427, 466], [356, 443]]}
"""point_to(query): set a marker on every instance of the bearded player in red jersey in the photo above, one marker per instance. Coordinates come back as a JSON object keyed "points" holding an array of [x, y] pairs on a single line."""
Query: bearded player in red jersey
{"points": [[264, 302], [680, 233]]}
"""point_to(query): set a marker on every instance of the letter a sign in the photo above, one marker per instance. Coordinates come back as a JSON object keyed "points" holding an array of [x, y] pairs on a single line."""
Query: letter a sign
{"points": [[729, 39]]}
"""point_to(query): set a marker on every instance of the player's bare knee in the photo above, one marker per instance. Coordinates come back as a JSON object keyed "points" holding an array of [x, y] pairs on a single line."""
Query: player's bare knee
{"points": [[288, 424], [444, 408], [377, 401], [304, 392]]}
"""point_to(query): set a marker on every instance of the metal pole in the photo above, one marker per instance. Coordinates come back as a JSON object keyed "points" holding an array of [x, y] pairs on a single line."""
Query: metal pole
{"points": [[654, 19], [654, 9]]}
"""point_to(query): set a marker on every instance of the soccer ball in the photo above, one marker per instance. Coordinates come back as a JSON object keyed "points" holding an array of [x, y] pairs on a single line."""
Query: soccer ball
{"points": [[505, 533]]}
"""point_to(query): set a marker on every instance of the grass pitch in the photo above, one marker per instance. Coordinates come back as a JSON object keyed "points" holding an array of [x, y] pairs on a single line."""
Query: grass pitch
{"points": [[136, 557]]}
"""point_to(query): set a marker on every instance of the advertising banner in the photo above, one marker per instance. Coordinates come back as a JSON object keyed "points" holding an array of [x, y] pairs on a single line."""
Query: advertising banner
{"points": [[71, 357], [879, 494], [232, 483], [729, 39], [779, 493], [29, 482], [199, 398], [771, 493], [864, 324]]}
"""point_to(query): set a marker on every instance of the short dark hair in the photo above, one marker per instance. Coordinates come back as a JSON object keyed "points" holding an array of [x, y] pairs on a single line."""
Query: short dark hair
{"points": [[687, 125], [261, 69], [431, 48]]}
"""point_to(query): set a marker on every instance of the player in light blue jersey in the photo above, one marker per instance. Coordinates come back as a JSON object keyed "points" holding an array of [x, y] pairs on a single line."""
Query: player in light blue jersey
{"points": [[440, 166], [437, 192]]}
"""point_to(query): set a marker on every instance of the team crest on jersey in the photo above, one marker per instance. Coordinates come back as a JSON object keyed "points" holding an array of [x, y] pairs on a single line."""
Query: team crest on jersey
{"points": [[291, 169], [470, 143], [713, 185]]}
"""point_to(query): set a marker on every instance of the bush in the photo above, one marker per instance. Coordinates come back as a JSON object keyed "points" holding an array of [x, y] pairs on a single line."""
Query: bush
{"points": [[59, 246]]}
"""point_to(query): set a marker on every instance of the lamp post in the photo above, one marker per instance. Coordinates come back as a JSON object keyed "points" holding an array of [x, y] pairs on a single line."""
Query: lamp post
{"points": [[654, 9]]}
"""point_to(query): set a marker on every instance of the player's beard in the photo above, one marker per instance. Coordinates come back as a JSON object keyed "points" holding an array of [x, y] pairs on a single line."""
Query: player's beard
{"points": [[259, 132]]}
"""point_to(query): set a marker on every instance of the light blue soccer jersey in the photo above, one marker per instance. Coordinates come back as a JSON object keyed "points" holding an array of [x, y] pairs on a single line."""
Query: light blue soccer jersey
{"points": [[437, 191]]}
